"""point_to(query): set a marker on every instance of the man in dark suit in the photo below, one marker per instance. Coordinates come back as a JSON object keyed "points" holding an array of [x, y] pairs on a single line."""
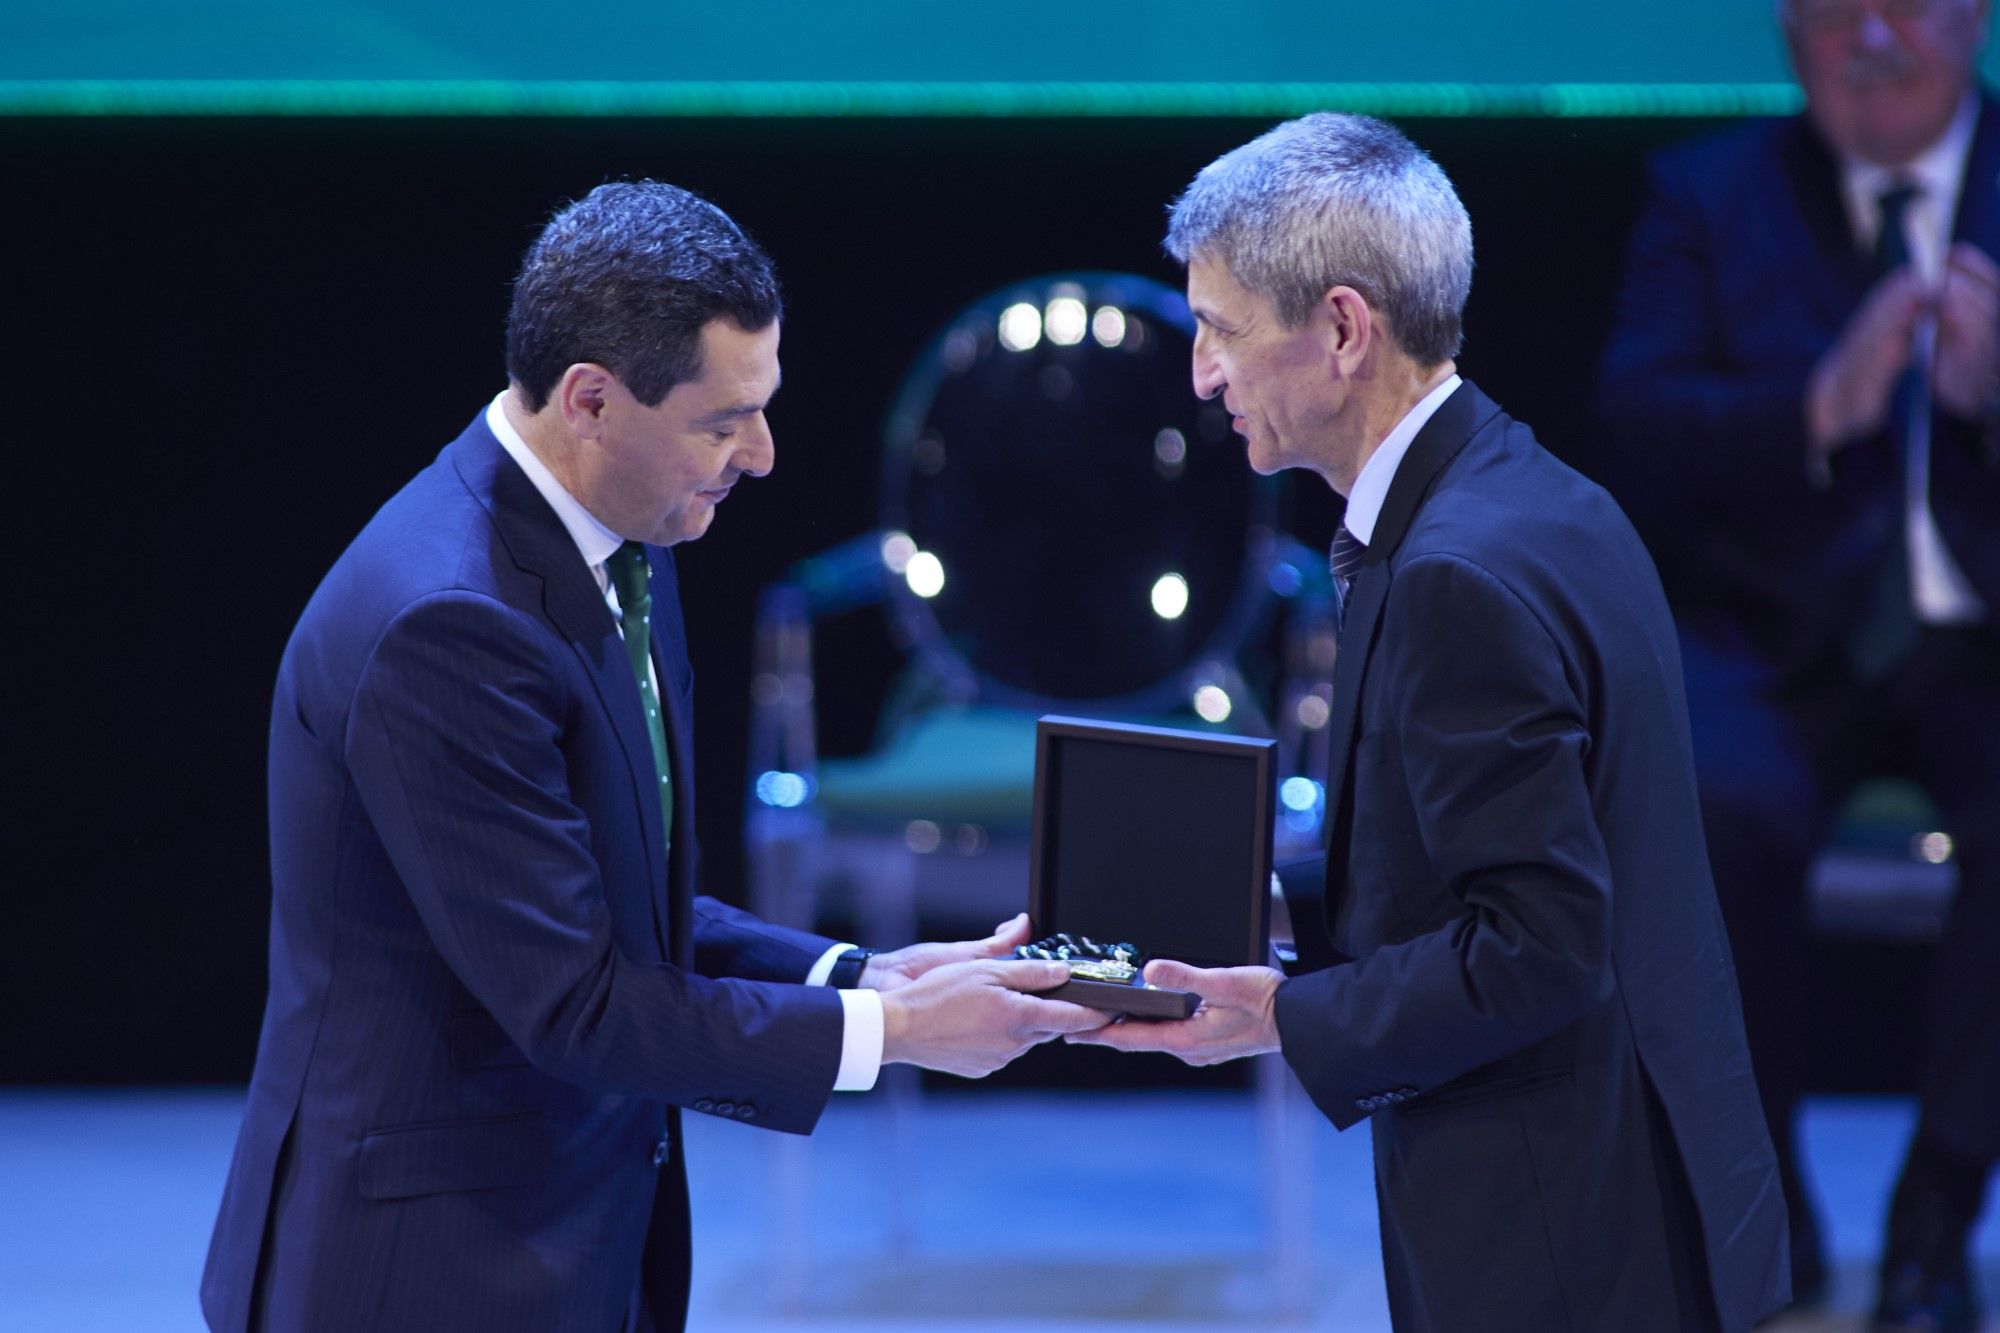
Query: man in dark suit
{"points": [[493, 987], [1534, 1000], [1801, 390]]}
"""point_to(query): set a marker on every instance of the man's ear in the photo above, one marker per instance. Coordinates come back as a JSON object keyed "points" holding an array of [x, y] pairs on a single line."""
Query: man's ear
{"points": [[1348, 327], [582, 395]]}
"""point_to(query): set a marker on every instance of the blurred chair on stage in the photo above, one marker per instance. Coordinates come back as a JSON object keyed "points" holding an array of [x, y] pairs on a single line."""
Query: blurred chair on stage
{"points": [[1065, 529]]}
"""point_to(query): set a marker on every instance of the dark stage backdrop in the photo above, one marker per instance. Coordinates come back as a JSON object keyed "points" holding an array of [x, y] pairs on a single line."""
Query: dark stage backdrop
{"points": [[231, 340]]}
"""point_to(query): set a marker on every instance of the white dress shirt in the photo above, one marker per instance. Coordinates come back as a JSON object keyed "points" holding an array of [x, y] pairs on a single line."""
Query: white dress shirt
{"points": [[861, 1036], [1940, 594], [1371, 487]]}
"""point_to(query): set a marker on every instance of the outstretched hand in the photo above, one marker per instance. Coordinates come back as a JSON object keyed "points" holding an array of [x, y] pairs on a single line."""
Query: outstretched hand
{"points": [[891, 971], [1237, 1015], [973, 1017]]}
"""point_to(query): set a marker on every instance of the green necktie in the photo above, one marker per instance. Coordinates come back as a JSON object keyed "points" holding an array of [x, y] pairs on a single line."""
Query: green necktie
{"points": [[628, 578]]}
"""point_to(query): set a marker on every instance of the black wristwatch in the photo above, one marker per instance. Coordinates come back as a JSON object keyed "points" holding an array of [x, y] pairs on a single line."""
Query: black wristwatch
{"points": [[847, 969]]}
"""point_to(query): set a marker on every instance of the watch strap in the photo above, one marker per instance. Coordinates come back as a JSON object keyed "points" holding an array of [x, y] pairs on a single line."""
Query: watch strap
{"points": [[847, 969]]}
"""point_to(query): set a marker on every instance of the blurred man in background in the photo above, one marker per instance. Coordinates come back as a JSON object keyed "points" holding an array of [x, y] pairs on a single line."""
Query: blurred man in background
{"points": [[1802, 387]]}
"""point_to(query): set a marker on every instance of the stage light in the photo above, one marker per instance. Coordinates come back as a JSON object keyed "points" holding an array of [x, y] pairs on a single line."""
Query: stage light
{"points": [[925, 574], [897, 549], [1108, 326], [1065, 321], [1211, 702], [1170, 447], [961, 349], [1020, 327], [1313, 712], [922, 836], [1300, 793], [1300, 822], [1933, 847], [787, 791], [1170, 596]]}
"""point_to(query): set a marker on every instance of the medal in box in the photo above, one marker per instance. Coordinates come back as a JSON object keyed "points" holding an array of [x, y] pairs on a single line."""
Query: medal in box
{"points": [[1147, 842]]}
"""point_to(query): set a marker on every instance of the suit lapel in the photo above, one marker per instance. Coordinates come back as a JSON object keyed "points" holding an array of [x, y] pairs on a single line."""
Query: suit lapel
{"points": [[579, 609], [669, 655], [1842, 275], [1447, 432], [540, 545], [1357, 636], [1978, 219]]}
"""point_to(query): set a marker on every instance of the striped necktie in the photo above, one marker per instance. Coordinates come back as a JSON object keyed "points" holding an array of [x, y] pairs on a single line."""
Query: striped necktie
{"points": [[629, 572], [1346, 559]]}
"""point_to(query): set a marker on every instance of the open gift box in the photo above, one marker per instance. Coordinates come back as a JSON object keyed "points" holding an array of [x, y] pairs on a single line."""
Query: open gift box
{"points": [[1154, 838]]}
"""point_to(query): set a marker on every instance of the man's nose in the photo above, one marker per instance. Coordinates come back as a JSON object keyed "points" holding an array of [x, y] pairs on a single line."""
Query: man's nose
{"points": [[1874, 33], [758, 451], [1208, 377]]}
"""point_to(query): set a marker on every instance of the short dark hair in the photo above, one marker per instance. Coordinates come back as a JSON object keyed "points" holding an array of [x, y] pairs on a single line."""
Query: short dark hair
{"points": [[627, 277]]}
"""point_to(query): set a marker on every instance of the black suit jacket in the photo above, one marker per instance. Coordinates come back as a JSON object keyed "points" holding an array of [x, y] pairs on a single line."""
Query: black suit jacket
{"points": [[1539, 1006], [492, 988], [1743, 271]]}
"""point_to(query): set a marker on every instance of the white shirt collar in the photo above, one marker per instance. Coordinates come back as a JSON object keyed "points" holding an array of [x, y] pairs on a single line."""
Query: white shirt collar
{"points": [[595, 541], [1371, 488], [1939, 170]]}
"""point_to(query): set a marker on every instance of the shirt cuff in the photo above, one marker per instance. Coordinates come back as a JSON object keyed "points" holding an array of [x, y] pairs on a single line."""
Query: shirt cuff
{"points": [[824, 967], [860, 1040]]}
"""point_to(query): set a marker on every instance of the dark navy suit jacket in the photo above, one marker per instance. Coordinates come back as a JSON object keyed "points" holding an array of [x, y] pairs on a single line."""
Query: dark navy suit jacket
{"points": [[1743, 272], [1538, 1005], [491, 985]]}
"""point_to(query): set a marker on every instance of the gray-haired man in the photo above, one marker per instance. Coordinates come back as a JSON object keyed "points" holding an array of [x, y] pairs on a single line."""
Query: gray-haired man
{"points": [[1532, 996]]}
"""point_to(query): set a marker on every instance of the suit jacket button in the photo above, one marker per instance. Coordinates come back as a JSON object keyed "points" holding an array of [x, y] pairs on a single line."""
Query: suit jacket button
{"points": [[704, 1104], [662, 1151], [746, 1113]]}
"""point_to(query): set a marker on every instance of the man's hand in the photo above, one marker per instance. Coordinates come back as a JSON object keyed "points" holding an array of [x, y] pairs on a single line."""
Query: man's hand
{"points": [[1853, 386], [1236, 1017], [972, 1018], [1966, 379], [892, 971]]}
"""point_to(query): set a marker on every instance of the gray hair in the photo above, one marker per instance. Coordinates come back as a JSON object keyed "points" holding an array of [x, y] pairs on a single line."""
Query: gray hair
{"points": [[1332, 200]]}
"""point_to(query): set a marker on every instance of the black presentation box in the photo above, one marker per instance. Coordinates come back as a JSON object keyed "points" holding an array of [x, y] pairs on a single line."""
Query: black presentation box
{"points": [[1154, 837]]}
